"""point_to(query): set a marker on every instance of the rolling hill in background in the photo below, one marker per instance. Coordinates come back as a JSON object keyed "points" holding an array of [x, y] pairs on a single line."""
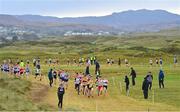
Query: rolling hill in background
{"points": [[128, 21]]}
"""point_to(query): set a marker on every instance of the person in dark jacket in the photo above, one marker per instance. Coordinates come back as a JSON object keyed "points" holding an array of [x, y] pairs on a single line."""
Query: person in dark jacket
{"points": [[97, 68], [133, 74], [127, 85], [119, 62], [145, 86], [87, 67], [150, 79], [161, 79], [50, 76], [60, 94]]}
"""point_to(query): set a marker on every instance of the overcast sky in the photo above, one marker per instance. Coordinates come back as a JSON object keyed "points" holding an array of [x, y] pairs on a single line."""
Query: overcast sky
{"points": [[78, 8]]}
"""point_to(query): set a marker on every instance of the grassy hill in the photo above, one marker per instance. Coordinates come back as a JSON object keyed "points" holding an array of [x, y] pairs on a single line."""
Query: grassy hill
{"points": [[30, 94]]}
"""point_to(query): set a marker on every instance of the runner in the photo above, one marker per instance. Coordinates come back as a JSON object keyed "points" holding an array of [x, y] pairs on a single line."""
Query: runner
{"points": [[11, 68], [77, 83], [16, 69], [60, 94], [37, 73], [1, 68], [157, 61], [68, 61], [112, 61], [105, 85], [94, 59], [90, 88], [27, 70], [50, 61], [126, 63], [74, 60], [83, 60], [84, 82], [34, 62], [100, 86], [21, 71], [55, 76], [6, 68], [151, 62], [27, 61], [108, 61], [91, 59], [64, 76]]}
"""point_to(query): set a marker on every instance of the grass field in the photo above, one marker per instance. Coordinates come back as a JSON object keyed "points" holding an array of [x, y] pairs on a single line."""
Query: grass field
{"points": [[116, 100], [30, 94]]}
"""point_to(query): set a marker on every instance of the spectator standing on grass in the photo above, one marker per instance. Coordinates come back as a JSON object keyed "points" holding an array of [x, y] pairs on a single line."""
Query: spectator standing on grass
{"points": [[87, 67], [160, 62], [127, 85], [50, 76], [133, 75], [149, 79], [145, 88], [175, 61], [97, 68], [161, 79], [119, 62]]}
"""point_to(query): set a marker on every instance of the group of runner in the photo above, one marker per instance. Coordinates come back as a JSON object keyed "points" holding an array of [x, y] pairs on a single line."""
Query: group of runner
{"points": [[51, 61], [18, 68], [159, 62], [60, 75], [81, 61], [86, 85]]}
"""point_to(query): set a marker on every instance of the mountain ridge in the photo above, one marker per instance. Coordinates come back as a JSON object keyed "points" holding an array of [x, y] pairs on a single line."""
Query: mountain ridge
{"points": [[130, 21]]}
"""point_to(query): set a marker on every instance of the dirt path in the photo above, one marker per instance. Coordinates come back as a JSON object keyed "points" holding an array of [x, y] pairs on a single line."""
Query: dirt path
{"points": [[43, 94], [38, 92]]}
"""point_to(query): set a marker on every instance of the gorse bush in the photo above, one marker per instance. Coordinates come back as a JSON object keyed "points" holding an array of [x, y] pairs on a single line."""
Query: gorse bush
{"points": [[171, 50], [139, 48]]}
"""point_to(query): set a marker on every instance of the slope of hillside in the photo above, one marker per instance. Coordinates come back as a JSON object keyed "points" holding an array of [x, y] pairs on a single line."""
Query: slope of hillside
{"points": [[132, 20]]}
